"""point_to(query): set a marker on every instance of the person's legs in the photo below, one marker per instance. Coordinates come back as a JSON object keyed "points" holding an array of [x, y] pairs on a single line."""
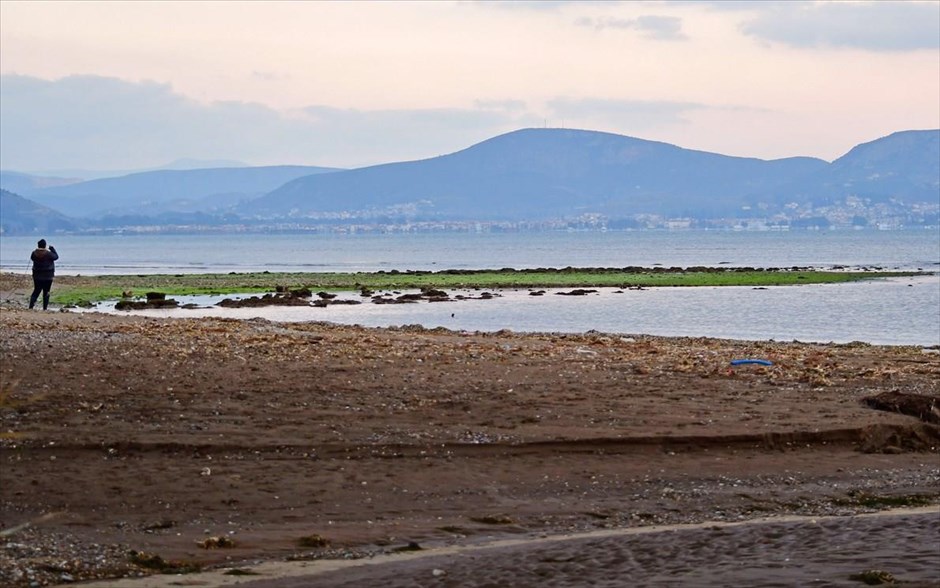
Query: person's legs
{"points": [[45, 294], [37, 288], [40, 286]]}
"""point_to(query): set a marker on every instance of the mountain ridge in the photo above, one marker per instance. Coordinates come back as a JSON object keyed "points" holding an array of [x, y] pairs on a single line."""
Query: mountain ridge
{"points": [[541, 173], [567, 168], [168, 190], [534, 175]]}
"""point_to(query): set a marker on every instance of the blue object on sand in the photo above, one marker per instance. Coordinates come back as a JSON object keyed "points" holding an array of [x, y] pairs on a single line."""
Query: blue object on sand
{"points": [[754, 361]]}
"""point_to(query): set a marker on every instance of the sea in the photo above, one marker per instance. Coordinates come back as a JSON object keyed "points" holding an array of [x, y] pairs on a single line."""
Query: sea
{"points": [[896, 311]]}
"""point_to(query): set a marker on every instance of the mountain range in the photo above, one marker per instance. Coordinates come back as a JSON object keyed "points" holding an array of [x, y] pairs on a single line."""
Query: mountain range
{"points": [[525, 175], [156, 192]]}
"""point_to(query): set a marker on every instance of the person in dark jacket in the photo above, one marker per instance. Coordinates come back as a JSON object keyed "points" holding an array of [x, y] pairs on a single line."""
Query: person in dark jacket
{"points": [[43, 272]]}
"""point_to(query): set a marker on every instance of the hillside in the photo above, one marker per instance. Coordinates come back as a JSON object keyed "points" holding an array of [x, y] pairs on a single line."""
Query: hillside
{"points": [[162, 191], [20, 183], [22, 216], [540, 173], [904, 165]]}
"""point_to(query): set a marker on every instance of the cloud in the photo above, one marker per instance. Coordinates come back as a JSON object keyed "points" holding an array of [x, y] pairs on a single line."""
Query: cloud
{"points": [[96, 122], [872, 26], [663, 28], [633, 115]]}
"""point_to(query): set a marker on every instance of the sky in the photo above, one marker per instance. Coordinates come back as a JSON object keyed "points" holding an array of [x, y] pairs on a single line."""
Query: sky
{"points": [[134, 85]]}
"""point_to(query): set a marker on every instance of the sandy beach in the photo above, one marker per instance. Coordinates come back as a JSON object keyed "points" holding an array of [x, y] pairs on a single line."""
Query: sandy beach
{"points": [[133, 446]]}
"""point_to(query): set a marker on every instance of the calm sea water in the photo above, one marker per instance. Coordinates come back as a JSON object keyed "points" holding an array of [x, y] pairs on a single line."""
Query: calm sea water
{"points": [[895, 311], [435, 251]]}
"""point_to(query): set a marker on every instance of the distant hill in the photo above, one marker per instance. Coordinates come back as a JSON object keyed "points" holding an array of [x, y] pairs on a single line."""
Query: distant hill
{"points": [[21, 216], [540, 173], [21, 183], [903, 165], [156, 192], [84, 175], [531, 175]]}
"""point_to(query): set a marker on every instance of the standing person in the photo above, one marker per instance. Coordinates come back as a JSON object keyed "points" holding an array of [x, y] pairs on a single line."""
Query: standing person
{"points": [[43, 272]]}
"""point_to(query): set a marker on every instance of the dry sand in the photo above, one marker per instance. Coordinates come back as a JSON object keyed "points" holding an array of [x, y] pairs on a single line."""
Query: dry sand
{"points": [[312, 441]]}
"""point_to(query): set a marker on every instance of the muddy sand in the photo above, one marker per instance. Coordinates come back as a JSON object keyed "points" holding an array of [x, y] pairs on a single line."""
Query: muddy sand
{"points": [[134, 446]]}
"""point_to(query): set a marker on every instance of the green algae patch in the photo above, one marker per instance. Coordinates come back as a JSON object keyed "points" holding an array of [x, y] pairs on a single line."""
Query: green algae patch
{"points": [[86, 290]]}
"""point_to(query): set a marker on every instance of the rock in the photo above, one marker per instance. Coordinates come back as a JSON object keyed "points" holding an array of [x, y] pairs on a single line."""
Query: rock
{"points": [[577, 292], [921, 406], [149, 303]]}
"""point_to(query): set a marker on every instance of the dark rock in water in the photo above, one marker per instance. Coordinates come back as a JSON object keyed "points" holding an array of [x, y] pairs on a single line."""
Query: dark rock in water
{"points": [[279, 299], [406, 298], [325, 303], [537, 293], [326, 295], [577, 292], [143, 305]]}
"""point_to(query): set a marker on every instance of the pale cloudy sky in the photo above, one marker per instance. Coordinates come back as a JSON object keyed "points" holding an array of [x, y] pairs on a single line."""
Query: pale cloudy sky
{"points": [[120, 85]]}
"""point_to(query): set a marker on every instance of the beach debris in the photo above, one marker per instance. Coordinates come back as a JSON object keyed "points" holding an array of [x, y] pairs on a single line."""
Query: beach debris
{"points": [[206, 471], [217, 542], [240, 572], [438, 572], [873, 577], [159, 526], [496, 519], [750, 361], [313, 540], [152, 561]]}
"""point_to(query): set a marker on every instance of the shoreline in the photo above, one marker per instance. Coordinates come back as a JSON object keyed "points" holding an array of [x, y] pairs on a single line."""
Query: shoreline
{"points": [[833, 313], [82, 290]]}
